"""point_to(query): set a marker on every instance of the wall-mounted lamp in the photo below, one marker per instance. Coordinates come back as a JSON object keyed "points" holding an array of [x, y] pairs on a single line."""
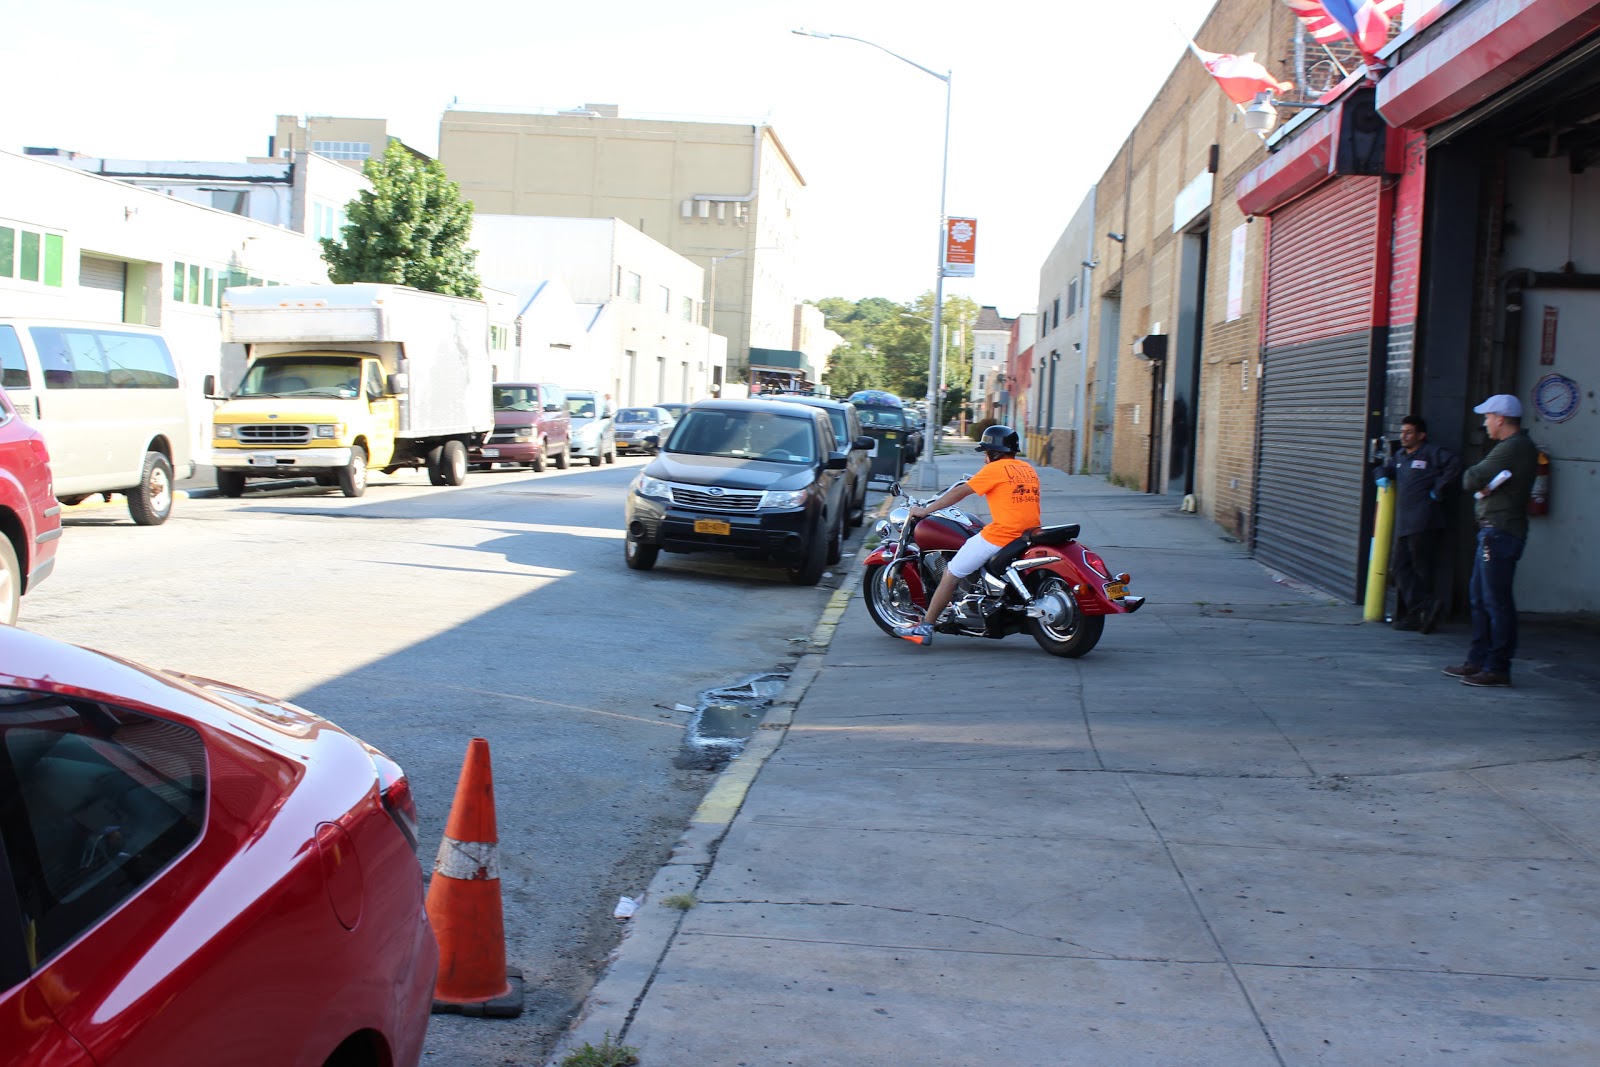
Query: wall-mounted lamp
{"points": [[1117, 237], [1261, 115]]}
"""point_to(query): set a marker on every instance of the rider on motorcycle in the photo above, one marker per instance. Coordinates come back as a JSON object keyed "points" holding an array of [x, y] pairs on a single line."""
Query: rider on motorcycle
{"points": [[1011, 489]]}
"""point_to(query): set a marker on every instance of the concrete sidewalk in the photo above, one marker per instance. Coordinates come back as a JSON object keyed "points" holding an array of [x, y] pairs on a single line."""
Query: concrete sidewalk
{"points": [[1246, 829]]}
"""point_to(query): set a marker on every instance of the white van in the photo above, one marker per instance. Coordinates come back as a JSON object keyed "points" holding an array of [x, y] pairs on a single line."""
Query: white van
{"points": [[108, 400], [590, 435]]}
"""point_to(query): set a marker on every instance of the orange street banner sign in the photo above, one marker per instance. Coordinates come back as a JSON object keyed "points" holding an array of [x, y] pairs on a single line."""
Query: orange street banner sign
{"points": [[960, 248]]}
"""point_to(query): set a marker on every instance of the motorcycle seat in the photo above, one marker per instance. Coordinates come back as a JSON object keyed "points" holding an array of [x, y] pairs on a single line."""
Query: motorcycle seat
{"points": [[1039, 535]]}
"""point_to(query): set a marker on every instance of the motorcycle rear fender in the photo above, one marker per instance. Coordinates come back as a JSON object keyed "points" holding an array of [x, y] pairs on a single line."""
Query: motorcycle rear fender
{"points": [[1075, 570]]}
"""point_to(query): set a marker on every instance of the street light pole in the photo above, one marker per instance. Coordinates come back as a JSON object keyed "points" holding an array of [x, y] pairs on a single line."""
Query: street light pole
{"points": [[928, 470]]}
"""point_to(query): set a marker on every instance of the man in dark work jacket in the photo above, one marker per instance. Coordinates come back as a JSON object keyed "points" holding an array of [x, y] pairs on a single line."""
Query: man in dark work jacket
{"points": [[1423, 475], [1501, 511]]}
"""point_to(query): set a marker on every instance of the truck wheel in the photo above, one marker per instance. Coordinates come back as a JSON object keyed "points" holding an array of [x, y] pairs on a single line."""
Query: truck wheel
{"points": [[150, 502], [453, 464], [10, 582], [564, 458], [538, 464], [435, 465], [230, 483], [353, 478]]}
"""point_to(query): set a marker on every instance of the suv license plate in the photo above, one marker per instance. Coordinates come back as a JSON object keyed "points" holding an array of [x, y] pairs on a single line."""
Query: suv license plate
{"points": [[712, 526]]}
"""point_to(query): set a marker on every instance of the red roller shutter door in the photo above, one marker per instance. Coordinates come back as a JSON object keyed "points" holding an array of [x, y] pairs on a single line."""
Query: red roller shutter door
{"points": [[1317, 373]]}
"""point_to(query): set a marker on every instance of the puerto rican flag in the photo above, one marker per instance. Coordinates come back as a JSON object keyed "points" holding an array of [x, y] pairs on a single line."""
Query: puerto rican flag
{"points": [[1241, 77], [1365, 22]]}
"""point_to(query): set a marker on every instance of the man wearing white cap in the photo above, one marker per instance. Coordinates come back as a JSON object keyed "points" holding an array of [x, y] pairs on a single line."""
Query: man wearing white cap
{"points": [[1500, 486]]}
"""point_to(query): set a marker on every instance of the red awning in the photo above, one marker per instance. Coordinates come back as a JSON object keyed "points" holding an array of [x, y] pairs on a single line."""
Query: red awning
{"points": [[1298, 167], [1479, 52]]}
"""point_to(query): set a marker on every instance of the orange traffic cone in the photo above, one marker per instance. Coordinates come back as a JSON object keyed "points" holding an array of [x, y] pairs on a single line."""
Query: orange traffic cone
{"points": [[464, 902]]}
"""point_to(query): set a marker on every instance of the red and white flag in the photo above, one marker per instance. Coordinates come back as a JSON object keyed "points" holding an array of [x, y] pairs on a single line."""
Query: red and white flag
{"points": [[1241, 77], [1364, 22], [1319, 24]]}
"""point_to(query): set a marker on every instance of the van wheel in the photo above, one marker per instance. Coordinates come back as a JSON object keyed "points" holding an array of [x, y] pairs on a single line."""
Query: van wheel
{"points": [[230, 483], [594, 460], [10, 582], [453, 463], [150, 502], [353, 477], [565, 457], [538, 464]]}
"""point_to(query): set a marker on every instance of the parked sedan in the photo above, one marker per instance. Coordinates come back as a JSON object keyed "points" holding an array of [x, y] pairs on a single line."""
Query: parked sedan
{"points": [[192, 871], [30, 517], [636, 426]]}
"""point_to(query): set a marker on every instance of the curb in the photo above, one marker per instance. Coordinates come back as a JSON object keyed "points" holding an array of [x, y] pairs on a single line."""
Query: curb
{"points": [[96, 501], [608, 1010]]}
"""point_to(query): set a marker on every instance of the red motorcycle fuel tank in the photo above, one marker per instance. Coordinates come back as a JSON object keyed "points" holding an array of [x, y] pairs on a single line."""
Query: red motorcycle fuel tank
{"points": [[940, 533]]}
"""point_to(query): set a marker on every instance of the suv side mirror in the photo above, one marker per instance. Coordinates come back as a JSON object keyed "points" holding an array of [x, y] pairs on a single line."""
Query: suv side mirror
{"points": [[553, 407], [837, 461]]}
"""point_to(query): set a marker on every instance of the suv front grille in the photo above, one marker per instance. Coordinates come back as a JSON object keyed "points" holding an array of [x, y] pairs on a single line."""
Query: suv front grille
{"points": [[692, 496], [273, 434]]}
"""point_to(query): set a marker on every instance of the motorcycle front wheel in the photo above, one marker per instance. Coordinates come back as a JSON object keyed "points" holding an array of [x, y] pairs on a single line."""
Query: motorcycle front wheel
{"points": [[1067, 631], [889, 602]]}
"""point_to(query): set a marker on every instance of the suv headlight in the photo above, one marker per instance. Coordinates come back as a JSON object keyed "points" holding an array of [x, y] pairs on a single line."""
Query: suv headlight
{"points": [[330, 430], [792, 498], [222, 431], [644, 485]]}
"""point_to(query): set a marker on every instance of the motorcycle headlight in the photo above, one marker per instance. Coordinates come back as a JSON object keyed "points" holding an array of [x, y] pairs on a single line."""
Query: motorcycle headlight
{"points": [[222, 431], [899, 515], [792, 498], [882, 528], [329, 430], [644, 485]]}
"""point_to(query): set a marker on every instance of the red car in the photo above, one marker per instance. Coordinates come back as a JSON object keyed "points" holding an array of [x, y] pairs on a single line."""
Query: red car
{"points": [[194, 873], [30, 516]]}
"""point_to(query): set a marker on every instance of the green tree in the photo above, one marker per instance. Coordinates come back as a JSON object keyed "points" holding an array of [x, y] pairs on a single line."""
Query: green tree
{"points": [[411, 228]]}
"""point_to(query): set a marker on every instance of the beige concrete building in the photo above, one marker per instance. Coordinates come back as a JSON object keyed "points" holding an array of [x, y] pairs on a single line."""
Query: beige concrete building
{"points": [[350, 141], [724, 196]]}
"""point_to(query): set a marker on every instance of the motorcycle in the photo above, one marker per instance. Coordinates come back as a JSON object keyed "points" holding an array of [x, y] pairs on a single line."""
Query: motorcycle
{"points": [[1044, 583]]}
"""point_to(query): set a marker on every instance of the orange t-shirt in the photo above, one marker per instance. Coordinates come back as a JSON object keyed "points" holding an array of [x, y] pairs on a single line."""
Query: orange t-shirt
{"points": [[1011, 489]]}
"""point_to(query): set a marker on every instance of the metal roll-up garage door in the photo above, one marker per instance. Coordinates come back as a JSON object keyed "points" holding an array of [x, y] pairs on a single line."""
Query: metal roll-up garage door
{"points": [[104, 284], [1316, 382]]}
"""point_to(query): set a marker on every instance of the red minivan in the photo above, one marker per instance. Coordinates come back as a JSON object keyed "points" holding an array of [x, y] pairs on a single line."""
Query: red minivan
{"points": [[30, 517], [531, 428]]}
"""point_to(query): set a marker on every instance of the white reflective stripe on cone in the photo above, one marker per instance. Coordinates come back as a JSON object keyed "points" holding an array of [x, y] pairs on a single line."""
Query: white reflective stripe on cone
{"points": [[470, 861]]}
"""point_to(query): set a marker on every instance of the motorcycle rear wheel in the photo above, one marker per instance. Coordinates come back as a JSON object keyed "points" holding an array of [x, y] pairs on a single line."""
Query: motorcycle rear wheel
{"points": [[1071, 641], [892, 605]]}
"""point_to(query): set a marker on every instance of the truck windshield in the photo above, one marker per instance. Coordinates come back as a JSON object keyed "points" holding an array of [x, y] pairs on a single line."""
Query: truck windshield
{"points": [[303, 376]]}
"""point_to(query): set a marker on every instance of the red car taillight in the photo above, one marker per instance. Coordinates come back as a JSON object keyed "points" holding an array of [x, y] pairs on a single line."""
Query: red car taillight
{"points": [[395, 790], [1092, 558]]}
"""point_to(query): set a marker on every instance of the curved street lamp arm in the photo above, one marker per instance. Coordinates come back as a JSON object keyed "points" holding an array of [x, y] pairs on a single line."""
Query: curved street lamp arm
{"points": [[945, 77]]}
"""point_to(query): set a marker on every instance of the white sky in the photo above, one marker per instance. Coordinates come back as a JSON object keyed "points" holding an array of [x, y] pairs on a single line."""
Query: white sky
{"points": [[1043, 94]]}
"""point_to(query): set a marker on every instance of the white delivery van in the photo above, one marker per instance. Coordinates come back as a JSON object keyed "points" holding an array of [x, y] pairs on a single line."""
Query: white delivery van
{"points": [[109, 401]]}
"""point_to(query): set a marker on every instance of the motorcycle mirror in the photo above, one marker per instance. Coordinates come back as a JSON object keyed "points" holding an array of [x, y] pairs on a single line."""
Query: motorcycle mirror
{"points": [[894, 488]]}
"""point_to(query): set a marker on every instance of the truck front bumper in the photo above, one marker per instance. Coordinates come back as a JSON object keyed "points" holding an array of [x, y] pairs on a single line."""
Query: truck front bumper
{"points": [[269, 461]]}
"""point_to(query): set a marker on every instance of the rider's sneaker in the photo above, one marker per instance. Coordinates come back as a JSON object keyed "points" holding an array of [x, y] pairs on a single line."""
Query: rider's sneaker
{"points": [[921, 633]]}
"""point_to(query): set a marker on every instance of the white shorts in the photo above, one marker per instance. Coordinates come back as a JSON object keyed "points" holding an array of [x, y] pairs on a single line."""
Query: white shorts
{"points": [[972, 555]]}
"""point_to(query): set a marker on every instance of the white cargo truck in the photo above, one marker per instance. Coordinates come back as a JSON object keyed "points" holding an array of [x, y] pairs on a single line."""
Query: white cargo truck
{"points": [[340, 378]]}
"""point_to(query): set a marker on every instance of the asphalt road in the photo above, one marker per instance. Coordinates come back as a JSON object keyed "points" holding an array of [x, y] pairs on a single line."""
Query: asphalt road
{"points": [[418, 617]]}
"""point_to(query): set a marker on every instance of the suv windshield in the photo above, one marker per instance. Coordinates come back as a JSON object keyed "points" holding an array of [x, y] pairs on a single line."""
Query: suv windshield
{"points": [[303, 376], [744, 435], [516, 398]]}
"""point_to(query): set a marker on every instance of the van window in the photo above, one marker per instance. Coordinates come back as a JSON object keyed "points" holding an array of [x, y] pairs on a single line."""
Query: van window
{"points": [[74, 358], [13, 371]]}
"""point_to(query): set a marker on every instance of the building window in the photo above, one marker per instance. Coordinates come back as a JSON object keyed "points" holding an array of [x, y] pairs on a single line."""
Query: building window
{"points": [[31, 256], [666, 301], [1055, 307], [1072, 298], [634, 290], [499, 337], [326, 221], [343, 149], [686, 308]]}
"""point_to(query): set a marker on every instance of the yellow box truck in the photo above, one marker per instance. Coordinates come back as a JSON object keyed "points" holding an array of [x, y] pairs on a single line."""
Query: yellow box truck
{"points": [[343, 378]]}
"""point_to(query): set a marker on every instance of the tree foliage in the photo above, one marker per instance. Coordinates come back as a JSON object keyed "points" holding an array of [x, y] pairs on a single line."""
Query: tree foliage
{"points": [[887, 346], [411, 228]]}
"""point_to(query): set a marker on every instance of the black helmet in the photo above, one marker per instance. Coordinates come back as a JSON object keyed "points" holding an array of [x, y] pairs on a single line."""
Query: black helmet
{"points": [[999, 439]]}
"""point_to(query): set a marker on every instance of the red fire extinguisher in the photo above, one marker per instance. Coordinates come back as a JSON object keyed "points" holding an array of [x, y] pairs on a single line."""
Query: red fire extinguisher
{"points": [[1539, 497]]}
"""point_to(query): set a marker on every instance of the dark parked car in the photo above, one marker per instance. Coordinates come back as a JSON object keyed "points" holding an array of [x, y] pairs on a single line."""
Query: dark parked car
{"points": [[884, 413], [847, 431], [674, 409], [642, 429], [195, 873], [30, 517], [758, 479], [531, 427]]}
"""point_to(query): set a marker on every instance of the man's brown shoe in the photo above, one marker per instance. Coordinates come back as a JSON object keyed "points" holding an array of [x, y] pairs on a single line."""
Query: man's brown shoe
{"points": [[1487, 678], [1462, 670]]}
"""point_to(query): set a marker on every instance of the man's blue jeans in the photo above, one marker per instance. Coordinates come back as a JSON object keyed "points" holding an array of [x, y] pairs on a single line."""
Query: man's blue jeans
{"points": [[1494, 613]]}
